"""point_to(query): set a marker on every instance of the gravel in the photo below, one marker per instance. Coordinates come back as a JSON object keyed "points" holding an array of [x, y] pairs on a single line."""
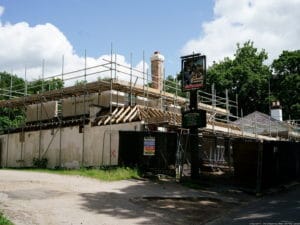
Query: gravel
{"points": [[43, 198]]}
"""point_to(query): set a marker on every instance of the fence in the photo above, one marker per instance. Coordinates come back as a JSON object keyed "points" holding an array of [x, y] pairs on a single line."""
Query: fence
{"points": [[150, 151], [215, 151], [261, 165]]}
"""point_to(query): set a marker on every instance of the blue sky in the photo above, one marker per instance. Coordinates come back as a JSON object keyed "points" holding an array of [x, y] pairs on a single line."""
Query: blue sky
{"points": [[33, 30], [132, 26]]}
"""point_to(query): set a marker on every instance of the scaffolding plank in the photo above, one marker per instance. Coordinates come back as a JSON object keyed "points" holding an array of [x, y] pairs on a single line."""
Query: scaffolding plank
{"points": [[93, 87]]}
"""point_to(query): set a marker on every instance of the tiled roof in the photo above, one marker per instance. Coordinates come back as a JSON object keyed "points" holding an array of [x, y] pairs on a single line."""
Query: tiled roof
{"points": [[258, 122]]}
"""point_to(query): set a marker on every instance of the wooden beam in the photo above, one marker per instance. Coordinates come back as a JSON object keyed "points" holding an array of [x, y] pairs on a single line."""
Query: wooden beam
{"points": [[123, 114], [109, 117], [143, 113], [134, 115], [118, 114], [130, 113]]}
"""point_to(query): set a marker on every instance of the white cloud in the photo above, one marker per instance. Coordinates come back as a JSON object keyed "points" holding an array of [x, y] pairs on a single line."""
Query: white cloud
{"points": [[273, 25], [22, 45]]}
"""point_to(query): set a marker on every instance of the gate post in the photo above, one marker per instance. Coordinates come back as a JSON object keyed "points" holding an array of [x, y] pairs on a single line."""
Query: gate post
{"points": [[259, 167]]}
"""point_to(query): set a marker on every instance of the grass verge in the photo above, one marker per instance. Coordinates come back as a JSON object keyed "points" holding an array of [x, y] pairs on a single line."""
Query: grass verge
{"points": [[105, 174], [4, 220]]}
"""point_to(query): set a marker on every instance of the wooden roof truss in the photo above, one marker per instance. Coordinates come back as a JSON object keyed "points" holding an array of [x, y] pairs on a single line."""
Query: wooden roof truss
{"points": [[139, 113]]}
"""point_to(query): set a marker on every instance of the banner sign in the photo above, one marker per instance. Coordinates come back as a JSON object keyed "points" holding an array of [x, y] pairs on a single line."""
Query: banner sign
{"points": [[193, 71], [149, 146]]}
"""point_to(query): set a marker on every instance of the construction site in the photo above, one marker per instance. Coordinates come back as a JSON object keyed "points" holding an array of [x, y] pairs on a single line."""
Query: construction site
{"points": [[80, 125]]}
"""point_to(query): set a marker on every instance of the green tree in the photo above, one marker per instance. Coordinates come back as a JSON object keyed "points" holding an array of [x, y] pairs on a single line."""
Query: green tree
{"points": [[245, 75], [285, 84], [39, 85], [10, 86], [172, 85]]}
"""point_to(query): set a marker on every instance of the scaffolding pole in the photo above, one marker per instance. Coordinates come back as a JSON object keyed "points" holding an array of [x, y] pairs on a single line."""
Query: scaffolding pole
{"points": [[110, 103]]}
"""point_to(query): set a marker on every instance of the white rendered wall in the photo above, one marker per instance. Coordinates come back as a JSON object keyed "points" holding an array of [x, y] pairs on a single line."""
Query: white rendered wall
{"points": [[65, 147]]}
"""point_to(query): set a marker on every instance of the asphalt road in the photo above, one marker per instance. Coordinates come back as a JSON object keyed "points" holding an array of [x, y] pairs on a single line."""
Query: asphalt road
{"points": [[276, 209]]}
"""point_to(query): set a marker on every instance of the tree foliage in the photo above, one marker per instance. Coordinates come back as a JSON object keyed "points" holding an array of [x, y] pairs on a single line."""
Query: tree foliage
{"points": [[173, 85], [13, 86], [285, 84], [245, 75], [10, 85], [39, 85]]}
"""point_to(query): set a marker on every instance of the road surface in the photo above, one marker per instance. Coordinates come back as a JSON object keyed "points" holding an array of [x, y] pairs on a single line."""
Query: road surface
{"points": [[43, 198], [276, 209]]}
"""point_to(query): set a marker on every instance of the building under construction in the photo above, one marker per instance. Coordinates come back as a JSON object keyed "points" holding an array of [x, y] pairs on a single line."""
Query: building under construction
{"points": [[80, 125]]}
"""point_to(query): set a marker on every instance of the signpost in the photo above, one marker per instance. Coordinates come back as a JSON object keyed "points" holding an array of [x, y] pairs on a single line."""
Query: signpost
{"points": [[193, 71]]}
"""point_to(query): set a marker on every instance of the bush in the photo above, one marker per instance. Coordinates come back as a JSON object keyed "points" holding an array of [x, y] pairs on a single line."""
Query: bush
{"points": [[40, 163], [4, 220]]}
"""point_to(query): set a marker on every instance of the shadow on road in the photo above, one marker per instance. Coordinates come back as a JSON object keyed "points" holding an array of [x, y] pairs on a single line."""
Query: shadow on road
{"points": [[156, 203], [281, 208]]}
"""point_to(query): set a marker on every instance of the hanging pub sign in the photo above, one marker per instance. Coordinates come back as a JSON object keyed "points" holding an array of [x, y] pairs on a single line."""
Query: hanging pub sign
{"points": [[193, 71], [149, 146]]}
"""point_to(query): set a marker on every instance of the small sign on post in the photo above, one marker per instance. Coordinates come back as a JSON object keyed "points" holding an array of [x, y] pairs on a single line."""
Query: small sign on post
{"points": [[149, 146], [194, 119]]}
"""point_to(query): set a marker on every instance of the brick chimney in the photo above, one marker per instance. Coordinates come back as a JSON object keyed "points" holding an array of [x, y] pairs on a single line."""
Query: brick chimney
{"points": [[157, 70]]}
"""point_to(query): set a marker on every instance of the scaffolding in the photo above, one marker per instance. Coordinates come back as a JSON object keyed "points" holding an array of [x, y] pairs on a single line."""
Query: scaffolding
{"points": [[111, 75], [136, 85]]}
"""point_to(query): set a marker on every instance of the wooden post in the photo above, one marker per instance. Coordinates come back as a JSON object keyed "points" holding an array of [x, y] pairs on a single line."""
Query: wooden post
{"points": [[194, 145], [259, 167]]}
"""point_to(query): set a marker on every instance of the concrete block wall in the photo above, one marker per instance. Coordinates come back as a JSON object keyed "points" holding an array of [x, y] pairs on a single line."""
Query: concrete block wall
{"points": [[41, 111], [66, 147], [78, 105], [119, 98]]}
